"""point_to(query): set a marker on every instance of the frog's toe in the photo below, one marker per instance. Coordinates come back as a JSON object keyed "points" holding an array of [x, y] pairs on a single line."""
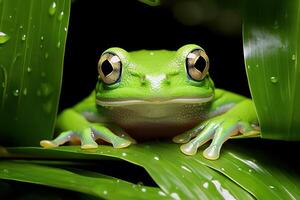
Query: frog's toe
{"points": [[47, 144], [212, 152], [87, 139], [184, 137], [59, 140], [107, 135], [189, 149], [121, 143], [222, 133]]}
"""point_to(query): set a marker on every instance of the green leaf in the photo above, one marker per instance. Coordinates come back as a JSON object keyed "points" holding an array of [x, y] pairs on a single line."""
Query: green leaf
{"points": [[272, 53], [32, 42], [238, 174], [98, 185]]}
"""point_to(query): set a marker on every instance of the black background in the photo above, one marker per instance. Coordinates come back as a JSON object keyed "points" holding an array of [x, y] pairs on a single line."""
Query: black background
{"points": [[97, 25]]}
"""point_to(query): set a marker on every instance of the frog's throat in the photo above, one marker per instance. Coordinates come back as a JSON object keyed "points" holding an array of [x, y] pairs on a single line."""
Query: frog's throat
{"points": [[126, 102]]}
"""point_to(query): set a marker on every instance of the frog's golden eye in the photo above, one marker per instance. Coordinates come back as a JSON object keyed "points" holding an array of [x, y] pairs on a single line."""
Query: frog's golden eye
{"points": [[109, 68], [197, 64]]}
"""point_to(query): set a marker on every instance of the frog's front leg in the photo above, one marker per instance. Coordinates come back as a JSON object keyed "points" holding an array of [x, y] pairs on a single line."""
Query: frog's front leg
{"points": [[238, 120], [79, 128]]}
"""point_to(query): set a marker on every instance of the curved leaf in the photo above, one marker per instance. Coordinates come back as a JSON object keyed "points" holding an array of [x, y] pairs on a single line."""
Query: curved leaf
{"points": [[32, 42], [100, 186], [272, 51], [236, 173]]}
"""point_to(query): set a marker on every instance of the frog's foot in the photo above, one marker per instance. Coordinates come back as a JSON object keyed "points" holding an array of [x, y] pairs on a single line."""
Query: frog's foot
{"points": [[61, 139], [121, 133], [219, 130], [107, 135], [87, 137]]}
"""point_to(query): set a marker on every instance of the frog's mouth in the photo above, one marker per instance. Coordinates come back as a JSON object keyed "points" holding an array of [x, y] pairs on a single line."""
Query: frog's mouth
{"points": [[154, 101]]}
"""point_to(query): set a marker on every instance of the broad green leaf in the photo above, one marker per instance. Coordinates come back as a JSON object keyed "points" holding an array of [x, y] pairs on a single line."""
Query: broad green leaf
{"points": [[32, 42], [272, 51], [241, 172], [98, 185]]}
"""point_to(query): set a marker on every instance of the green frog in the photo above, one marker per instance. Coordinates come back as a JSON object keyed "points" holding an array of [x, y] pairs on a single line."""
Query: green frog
{"points": [[149, 94]]}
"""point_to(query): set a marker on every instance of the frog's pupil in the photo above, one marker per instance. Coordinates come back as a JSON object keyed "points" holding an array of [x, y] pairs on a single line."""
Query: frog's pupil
{"points": [[106, 68], [200, 64]]}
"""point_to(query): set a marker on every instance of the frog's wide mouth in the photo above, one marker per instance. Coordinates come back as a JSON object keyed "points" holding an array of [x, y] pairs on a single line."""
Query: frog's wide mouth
{"points": [[155, 101]]}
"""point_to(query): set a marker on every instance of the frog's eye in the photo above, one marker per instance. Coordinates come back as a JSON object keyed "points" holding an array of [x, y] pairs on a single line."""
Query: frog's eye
{"points": [[109, 68], [197, 64]]}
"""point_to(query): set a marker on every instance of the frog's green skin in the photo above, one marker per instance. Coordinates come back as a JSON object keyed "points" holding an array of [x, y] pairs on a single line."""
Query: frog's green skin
{"points": [[155, 97]]}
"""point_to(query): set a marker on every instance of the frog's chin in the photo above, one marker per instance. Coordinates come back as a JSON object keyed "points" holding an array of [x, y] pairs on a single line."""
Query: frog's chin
{"points": [[152, 101]]}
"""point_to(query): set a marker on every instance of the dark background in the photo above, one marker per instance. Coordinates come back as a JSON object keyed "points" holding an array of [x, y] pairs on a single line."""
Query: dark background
{"points": [[97, 25]]}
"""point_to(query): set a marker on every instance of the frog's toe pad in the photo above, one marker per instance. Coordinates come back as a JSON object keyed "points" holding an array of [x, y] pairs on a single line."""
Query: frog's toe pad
{"points": [[121, 143], [188, 149], [89, 146], [47, 144], [212, 152]]}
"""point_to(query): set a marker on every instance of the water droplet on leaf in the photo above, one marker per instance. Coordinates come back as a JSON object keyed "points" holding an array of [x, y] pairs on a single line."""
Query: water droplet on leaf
{"points": [[29, 69], [293, 57], [46, 55], [16, 92], [61, 15], [274, 79], [3, 38], [25, 91], [23, 37], [52, 8], [58, 45]]}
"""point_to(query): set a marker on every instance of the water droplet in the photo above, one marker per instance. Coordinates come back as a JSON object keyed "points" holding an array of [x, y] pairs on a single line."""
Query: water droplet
{"points": [[105, 192], [5, 170], [186, 169], [41, 46], [10, 16], [274, 79], [151, 53], [61, 15], [65, 29], [248, 66], [23, 37], [3, 38], [124, 154], [175, 196], [52, 8], [293, 57], [271, 186], [222, 169], [240, 169], [16, 92], [161, 193], [46, 55], [144, 189], [205, 185], [156, 158], [140, 184], [58, 45], [29, 69], [257, 65], [21, 27], [42, 38], [250, 170], [25, 91], [118, 180]]}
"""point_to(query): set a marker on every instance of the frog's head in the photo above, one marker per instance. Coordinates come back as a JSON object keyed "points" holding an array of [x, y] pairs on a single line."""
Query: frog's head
{"points": [[154, 92], [154, 77]]}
